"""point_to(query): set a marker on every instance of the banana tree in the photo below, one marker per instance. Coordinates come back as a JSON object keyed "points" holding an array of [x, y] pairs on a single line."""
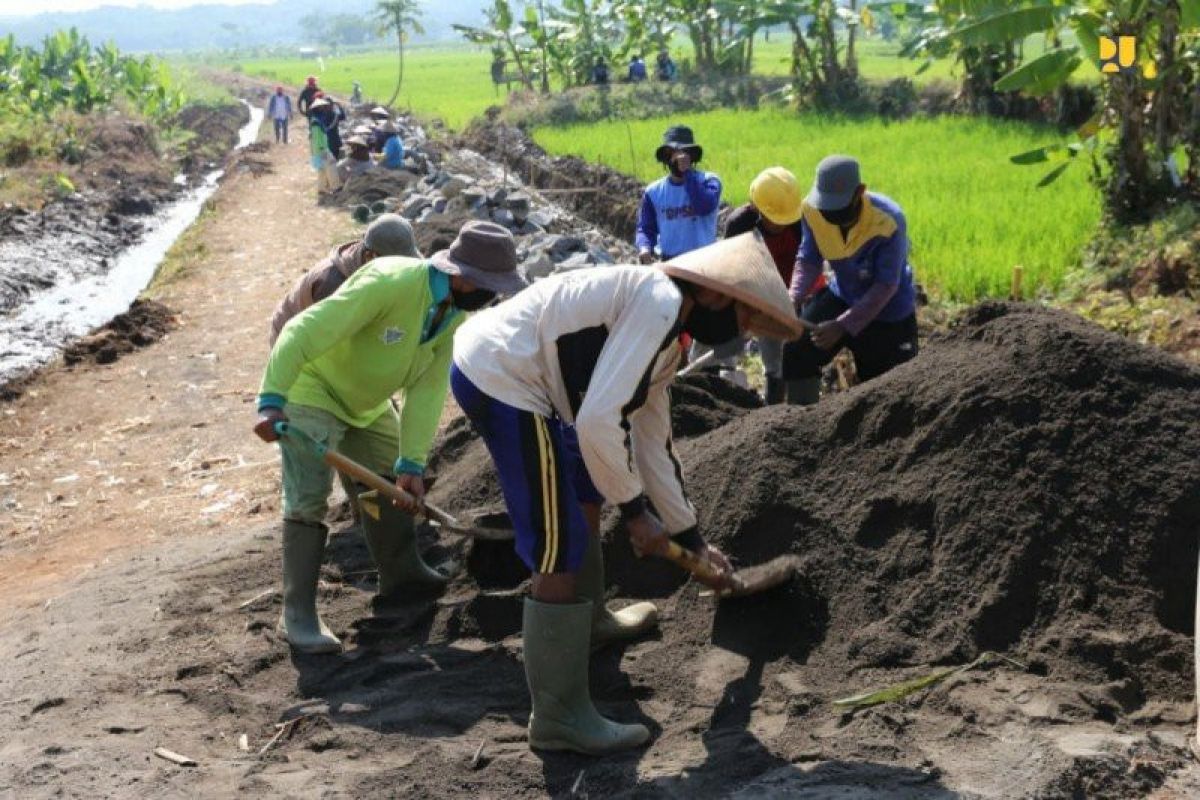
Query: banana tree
{"points": [[501, 32], [1149, 113], [400, 17]]}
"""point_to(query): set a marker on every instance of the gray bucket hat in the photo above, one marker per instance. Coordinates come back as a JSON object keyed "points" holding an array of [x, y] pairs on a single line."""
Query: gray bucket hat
{"points": [[836, 182], [391, 235], [485, 254]]}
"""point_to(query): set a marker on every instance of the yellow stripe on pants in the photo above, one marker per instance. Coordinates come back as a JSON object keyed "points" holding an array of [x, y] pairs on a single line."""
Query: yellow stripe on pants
{"points": [[549, 494]]}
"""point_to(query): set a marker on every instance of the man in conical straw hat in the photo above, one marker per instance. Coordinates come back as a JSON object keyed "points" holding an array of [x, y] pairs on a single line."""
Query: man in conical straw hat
{"points": [[567, 385]]}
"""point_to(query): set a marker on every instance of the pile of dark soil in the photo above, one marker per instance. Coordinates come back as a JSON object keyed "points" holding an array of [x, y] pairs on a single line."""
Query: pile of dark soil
{"points": [[144, 323], [1029, 484], [611, 201], [370, 187]]}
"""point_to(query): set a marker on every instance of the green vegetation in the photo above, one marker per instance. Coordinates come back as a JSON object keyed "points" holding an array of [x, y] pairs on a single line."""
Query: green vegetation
{"points": [[451, 83], [48, 96], [66, 72], [972, 216]]}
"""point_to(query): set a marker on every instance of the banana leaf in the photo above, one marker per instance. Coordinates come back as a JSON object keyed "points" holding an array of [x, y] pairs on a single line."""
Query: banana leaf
{"points": [[899, 691]]}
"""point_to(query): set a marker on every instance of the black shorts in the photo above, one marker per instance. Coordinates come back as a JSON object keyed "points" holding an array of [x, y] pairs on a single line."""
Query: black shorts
{"points": [[877, 347]]}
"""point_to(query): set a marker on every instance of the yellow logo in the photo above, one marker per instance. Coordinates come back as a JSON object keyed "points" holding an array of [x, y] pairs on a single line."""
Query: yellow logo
{"points": [[1117, 55]]}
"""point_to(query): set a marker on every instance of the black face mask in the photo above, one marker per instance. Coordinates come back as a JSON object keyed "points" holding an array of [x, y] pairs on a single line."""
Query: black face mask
{"points": [[473, 300], [844, 217], [712, 327]]}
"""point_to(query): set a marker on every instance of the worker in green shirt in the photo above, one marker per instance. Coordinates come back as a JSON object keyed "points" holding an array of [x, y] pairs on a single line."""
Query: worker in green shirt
{"points": [[332, 373]]}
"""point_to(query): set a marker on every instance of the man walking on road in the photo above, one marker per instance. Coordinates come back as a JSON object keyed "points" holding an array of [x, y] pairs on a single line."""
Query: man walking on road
{"points": [[279, 110], [332, 373], [567, 384], [870, 305]]}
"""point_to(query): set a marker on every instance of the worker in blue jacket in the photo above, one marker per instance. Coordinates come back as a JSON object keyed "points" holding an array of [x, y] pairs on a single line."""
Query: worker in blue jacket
{"points": [[679, 211]]}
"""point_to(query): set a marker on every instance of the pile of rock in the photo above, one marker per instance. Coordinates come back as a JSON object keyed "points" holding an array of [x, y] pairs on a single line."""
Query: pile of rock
{"points": [[439, 191]]}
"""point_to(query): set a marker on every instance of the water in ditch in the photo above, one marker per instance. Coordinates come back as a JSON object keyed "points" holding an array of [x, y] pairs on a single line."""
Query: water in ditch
{"points": [[80, 286]]}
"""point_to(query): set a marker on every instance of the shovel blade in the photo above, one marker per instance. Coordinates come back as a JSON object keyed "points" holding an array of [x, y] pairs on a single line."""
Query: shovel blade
{"points": [[762, 577]]}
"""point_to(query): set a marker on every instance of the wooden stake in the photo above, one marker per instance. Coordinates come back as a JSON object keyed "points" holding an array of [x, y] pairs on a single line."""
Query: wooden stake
{"points": [[475, 759], [173, 757], [1017, 273]]}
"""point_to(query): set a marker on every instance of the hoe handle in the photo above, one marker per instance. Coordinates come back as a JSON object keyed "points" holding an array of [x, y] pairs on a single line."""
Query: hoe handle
{"points": [[371, 480]]}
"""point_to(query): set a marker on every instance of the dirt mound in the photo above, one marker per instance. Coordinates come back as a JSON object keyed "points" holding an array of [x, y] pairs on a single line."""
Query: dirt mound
{"points": [[1028, 485], [371, 187], [612, 200], [144, 323], [216, 131]]}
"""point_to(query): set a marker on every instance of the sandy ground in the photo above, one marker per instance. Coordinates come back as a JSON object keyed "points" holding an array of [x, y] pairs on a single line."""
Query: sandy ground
{"points": [[138, 555]]}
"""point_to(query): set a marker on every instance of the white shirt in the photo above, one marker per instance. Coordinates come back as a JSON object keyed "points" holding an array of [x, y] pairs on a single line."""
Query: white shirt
{"points": [[597, 348]]}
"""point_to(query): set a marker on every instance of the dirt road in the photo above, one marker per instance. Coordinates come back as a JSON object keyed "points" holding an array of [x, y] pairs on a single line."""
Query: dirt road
{"points": [[104, 461]]}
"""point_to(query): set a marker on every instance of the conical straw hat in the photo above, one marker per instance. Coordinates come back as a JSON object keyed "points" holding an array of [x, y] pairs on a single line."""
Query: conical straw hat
{"points": [[742, 268]]}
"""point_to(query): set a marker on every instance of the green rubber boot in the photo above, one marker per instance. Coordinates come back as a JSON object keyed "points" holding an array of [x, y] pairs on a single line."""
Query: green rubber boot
{"points": [[608, 626], [392, 539], [303, 549], [803, 391], [556, 667]]}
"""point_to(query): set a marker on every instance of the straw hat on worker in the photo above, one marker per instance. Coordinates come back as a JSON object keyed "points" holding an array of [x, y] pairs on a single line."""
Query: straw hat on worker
{"points": [[742, 270]]}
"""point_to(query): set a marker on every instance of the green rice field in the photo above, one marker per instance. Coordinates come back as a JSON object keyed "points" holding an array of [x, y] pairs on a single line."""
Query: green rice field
{"points": [[972, 215], [449, 82]]}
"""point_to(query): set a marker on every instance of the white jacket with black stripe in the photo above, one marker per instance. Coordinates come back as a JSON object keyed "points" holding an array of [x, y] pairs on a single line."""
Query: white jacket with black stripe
{"points": [[598, 348]]}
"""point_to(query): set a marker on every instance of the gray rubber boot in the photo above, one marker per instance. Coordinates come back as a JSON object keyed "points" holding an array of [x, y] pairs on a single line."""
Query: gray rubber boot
{"points": [[392, 539], [803, 391], [556, 667], [609, 626], [303, 550]]}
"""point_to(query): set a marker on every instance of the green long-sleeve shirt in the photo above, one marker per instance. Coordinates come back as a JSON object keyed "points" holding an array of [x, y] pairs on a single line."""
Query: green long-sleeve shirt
{"points": [[349, 353]]}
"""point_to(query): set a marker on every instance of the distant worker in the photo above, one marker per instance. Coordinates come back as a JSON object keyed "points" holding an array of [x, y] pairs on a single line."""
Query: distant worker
{"points": [[330, 115], [307, 95], [664, 67], [356, 97], [567, 384], [357, 160], [870, 305], [279, 110], [637, 69], [320, 154], [600, 72], [774, 210], [393, 146], [332, 373], [388, 235]]}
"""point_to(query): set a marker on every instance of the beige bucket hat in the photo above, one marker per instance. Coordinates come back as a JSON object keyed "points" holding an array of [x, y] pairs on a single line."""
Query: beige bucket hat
{"points": [[742, 268]]}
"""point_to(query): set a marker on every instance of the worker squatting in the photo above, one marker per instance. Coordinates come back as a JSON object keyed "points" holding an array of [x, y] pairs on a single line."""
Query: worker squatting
{"points": [[566, 382]]}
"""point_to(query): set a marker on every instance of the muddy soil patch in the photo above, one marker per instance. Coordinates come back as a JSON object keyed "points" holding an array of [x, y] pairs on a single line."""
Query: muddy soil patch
{"points": [[144, 323], [214, 131]]}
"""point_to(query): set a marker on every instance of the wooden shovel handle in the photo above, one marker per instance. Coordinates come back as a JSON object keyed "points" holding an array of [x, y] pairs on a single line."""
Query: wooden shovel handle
{"points": [[701, 568]]}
